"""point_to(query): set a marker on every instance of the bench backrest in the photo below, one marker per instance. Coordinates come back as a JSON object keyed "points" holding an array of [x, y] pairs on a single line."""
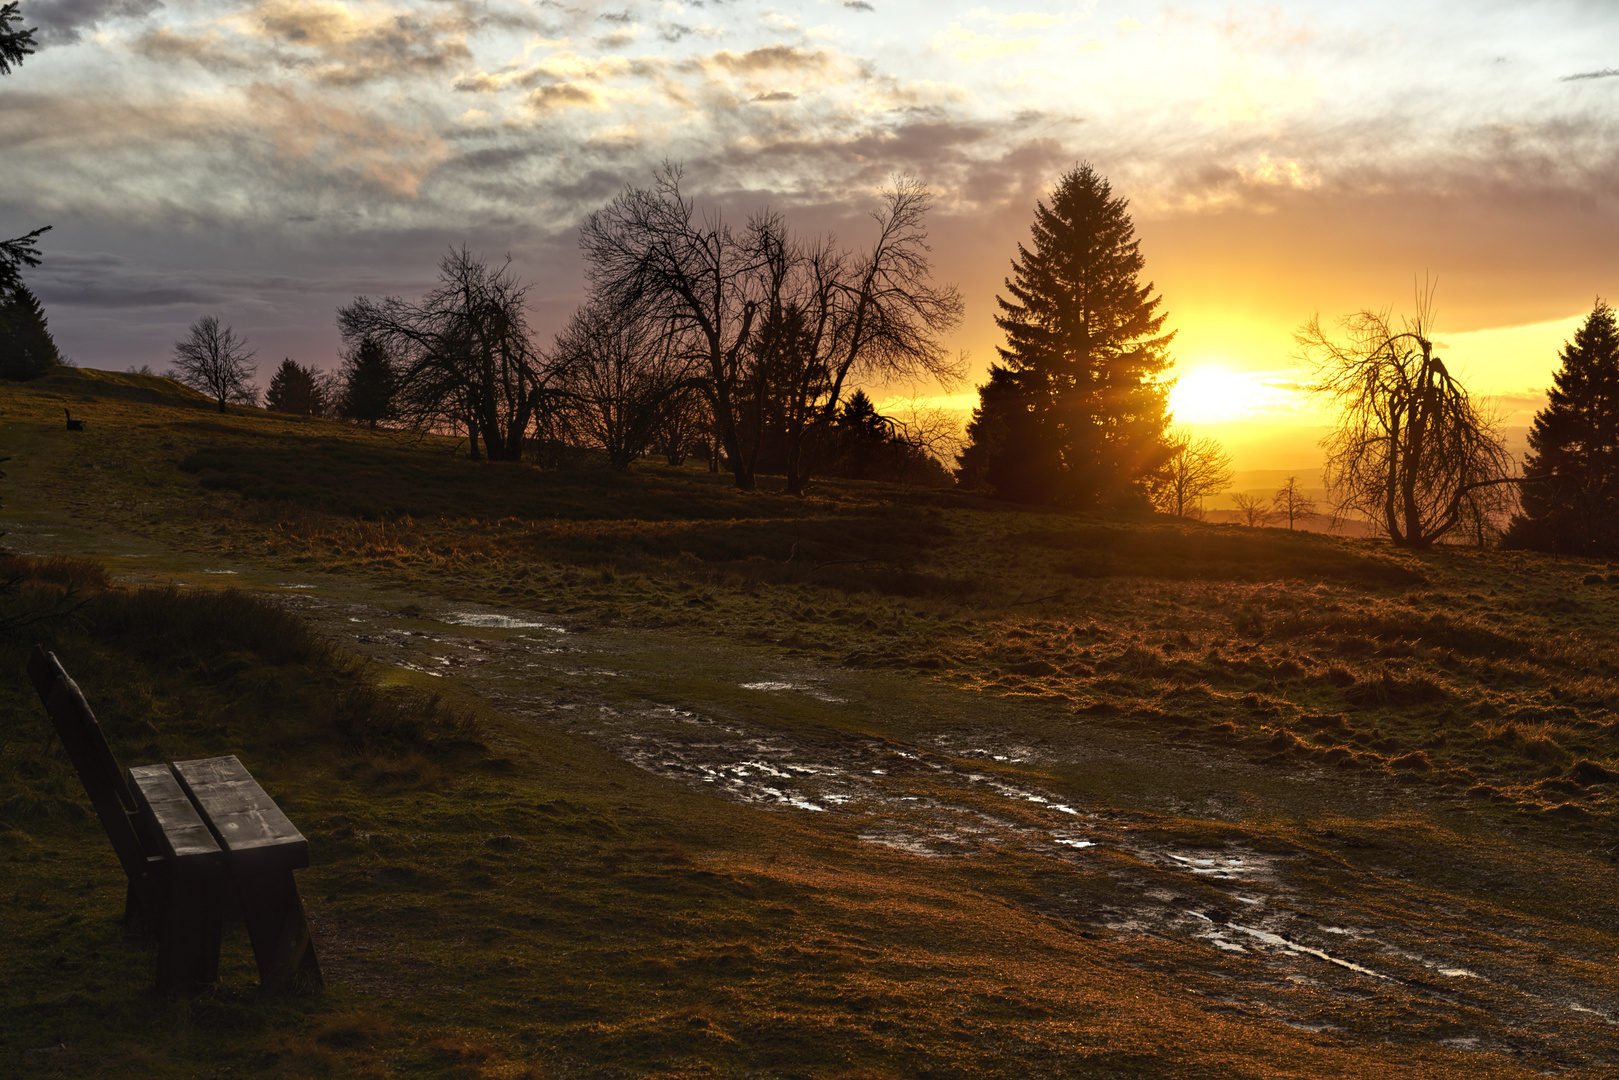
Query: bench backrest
{"points": [[103, 780]]}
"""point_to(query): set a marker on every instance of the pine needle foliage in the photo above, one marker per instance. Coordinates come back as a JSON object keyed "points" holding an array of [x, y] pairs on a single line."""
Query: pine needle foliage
{"points": [[1074, 414], [1572, 505]]}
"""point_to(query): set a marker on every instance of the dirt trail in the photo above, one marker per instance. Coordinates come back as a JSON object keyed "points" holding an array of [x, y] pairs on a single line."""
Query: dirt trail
{"points": [[1292, 936], [930, 773]]}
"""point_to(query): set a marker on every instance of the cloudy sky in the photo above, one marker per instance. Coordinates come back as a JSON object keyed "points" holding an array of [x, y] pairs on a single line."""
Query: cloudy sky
{"points": [[268, 160]]}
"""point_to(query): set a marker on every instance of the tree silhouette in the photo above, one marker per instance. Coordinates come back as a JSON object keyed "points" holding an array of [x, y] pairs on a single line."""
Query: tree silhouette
{"points": [[1253, 510], [368, 383], [1410, 444], [14, 44], [1290, 504], [1572, 504], [295, 389], [463, 354], [26, 348], [214, 361], [1195, 469], [1075, 415]]}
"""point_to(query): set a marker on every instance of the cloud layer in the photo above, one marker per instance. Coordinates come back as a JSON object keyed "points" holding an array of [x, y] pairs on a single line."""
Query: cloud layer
{"points": [[1278, 159]]}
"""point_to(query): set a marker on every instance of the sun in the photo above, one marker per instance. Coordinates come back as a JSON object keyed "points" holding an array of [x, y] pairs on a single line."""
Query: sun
{"points": [[1211, 393]]}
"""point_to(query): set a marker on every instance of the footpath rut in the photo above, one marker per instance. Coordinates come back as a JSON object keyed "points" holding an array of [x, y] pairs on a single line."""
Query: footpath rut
{"points": [[700, 713]]}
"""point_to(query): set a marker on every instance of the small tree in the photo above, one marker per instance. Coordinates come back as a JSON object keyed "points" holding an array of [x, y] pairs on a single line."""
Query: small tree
{"points": [[368, 384], [1572, 504], [295, 389], [1253, 510], [214, 360], [1290, 504], [1195, 469], [1410, 443]]}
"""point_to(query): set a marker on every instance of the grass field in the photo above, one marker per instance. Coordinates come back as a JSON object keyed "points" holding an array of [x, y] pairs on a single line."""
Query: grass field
{"points": [[1092, 796]]}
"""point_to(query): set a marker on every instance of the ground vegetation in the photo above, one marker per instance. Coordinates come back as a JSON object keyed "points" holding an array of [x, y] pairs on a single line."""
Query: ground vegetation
{"points": [[1420, 745]]}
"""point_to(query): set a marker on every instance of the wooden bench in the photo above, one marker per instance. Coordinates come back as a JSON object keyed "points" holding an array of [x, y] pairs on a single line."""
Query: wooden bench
{"points": [[182, 832]]}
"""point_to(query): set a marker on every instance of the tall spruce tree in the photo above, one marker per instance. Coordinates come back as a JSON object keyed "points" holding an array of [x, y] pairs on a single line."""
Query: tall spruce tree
{"points": [[295, 389], [27, 350], [370, 385], [1074, 415], [1572, 503]]}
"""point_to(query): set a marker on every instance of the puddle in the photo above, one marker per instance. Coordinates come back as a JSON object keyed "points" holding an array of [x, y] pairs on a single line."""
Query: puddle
{"points": [[966, 797], [488, 621]]}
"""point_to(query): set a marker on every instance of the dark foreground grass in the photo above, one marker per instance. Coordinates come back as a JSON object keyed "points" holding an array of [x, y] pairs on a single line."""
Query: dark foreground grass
{"points": [[501, 899], [535, 907]]}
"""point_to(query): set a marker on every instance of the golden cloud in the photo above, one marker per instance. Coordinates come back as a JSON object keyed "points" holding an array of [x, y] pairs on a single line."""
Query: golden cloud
{"points": [[339, 142]]}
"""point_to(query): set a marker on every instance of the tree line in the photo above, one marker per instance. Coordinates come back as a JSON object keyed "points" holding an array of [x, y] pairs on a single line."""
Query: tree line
{"points": [[746, 344]]}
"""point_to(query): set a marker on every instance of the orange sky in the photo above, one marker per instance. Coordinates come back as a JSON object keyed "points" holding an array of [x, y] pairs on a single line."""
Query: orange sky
{"points": [[267, 160]]}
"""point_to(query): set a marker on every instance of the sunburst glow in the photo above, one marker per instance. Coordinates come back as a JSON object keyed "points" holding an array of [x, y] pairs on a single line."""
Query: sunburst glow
{"points": [[1213, 394]]}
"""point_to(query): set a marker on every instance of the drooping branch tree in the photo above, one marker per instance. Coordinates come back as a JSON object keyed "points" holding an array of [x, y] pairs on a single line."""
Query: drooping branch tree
{"points": [[1572, 505], [1074, 413], [214, 360], [1194, 469], [1410, 443], [463, 357]]}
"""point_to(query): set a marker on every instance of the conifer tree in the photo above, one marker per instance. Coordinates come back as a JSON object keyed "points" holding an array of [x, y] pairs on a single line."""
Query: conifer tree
{"points": [[369, 385], [1571, 504], [1074, 414], [27, 350], [295, 389]]}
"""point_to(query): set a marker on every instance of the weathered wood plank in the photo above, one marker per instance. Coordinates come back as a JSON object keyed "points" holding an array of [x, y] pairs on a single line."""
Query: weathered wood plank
{"points": [[192, 871], [103, 780], [179, 832], [250, 827]]}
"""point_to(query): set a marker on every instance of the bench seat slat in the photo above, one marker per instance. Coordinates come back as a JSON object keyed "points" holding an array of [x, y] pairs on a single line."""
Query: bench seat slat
{"points": [[255, 834], [181, 833]]}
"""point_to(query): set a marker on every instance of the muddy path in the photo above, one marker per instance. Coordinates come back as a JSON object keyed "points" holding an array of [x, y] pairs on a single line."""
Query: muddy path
{"points": [[1311, 898], [1349, 931]]}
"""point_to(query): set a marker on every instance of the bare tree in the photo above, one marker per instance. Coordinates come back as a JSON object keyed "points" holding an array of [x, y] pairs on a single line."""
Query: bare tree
{"points": [[1194, 470], [775, 325], [649, 250], [463, 356], [1410, 444], [1253, 510], [623, 377], [1290, 504], [215, 361]]}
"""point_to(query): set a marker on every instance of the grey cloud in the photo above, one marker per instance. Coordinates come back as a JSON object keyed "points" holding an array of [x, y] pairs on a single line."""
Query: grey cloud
{"points": [[1605, 73], [858, 5], [622, 17], [62, 22], [672, 32], [776, 95]]}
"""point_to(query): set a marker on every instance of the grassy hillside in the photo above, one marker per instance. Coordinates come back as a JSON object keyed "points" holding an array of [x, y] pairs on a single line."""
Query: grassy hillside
{"points": [[1421, 744]]}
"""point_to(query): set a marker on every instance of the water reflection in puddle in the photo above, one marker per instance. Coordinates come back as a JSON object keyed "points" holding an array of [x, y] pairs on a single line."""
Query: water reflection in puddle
{"points": [[491, 621]]}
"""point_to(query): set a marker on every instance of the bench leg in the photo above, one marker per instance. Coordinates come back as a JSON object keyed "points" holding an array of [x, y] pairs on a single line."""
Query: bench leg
{"points": [[282, 945], [188, 940]]}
